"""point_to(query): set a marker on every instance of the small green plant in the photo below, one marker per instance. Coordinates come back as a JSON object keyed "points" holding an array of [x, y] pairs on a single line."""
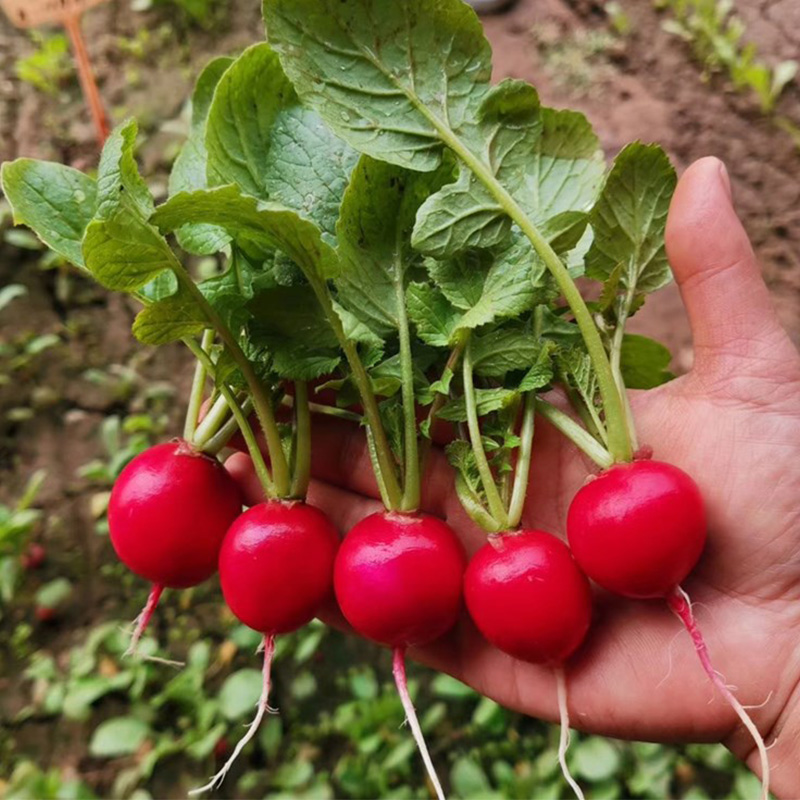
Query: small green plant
{"points": [[203, 13], [716, 33], [48, 66], [17, 522], [576, 60]]}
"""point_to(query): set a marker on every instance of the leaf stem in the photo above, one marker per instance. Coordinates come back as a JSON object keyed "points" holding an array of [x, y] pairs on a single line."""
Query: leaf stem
{"points": [[438, 402], [302, 441], [523, 467], [261, 403], [213, 420], [386, 472], [615, 358], [578, 435], [496, 507], [197, 390], [244, 426], [618, 438], [411, 481], [221, 438]]}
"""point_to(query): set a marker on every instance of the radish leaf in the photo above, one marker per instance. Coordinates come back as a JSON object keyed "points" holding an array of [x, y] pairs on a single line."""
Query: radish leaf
{"points": [[55, 201], [260, 138], [189, 169], [629, 218]]}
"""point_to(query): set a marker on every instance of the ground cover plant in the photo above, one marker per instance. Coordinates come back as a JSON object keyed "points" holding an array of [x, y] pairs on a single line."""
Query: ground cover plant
{"points": [[407, 236]]}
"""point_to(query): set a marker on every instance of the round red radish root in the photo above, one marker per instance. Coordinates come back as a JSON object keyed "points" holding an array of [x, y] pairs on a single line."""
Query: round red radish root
{"points": [[276, 565], [528, 597], [398, 578], [638, 529], [168, 514]]}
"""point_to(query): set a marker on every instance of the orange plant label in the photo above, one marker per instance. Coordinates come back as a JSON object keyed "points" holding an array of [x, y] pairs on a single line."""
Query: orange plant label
{"points": [[30, 13]]}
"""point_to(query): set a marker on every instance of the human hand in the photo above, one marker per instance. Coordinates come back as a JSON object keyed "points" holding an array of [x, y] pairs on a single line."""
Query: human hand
{"points": [[733, 423]]}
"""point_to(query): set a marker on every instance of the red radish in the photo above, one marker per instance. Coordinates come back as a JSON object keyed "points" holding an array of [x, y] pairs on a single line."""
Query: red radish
{"points": [[34, 557], [276, 572], [638, 530], [167, 516], [534, 572], [527, 596], [398, 579]]}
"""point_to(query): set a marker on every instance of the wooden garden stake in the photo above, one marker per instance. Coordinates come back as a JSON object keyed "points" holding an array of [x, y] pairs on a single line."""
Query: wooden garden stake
{"points": [[32, 13]]}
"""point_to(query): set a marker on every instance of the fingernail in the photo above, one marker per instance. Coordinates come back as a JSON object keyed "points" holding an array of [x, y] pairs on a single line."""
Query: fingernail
{"points": [[725, 179]]}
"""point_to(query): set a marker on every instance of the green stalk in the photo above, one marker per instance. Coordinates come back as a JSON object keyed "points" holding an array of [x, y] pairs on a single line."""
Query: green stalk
{"points": [[280, 469], [376, 468], [523, 468], [411, 482], [579, 436], [221, 438], [496, 507], [616, 369], [330, 411], [198, 389], [213, 420], [302, 441], [386, 473], [438, 402], [619, 440], [244, 426]]}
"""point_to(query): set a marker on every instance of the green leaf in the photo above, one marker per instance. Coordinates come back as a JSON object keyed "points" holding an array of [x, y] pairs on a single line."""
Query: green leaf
{"points": [[170, 319], [576, 367], [189, 170], [541, 372], [246, 103], [269, 223], [447, 686], [549, 160], [468, 779], [629, 219], [289, 323], [432, 314], [120, 736], [239, 694], [292, 312], [259, 137], [124, 252], [504, 349], [84, 692], [350, 63], [55, 201], [644, 362], [11, 292], [377, 215], [54, 593], [230, 291], [486, 401], [595, 759], [119, 184]]}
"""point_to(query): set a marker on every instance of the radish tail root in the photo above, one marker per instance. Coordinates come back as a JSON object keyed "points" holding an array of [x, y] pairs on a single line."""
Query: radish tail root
{"points": [[681, 606], [563, 739], [143, 620], [411, 715], [263, 707]]}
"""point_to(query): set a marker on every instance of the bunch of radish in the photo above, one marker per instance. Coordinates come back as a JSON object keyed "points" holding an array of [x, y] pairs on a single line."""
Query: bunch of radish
{"points": [[398, 242]]}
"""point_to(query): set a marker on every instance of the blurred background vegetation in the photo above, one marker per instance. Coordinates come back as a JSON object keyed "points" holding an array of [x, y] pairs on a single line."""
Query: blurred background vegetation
{"points": [[78, 400]]}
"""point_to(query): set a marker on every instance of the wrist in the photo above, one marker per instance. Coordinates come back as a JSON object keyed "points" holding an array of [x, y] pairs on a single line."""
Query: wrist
{"points": [[782, 737]]}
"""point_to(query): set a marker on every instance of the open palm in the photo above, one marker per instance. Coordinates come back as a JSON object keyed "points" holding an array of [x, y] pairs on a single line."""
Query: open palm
{"points": [[733, 423]]}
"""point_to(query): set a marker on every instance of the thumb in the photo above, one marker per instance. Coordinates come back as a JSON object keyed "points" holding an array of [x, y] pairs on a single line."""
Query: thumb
{"points": [[728, 303]]}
